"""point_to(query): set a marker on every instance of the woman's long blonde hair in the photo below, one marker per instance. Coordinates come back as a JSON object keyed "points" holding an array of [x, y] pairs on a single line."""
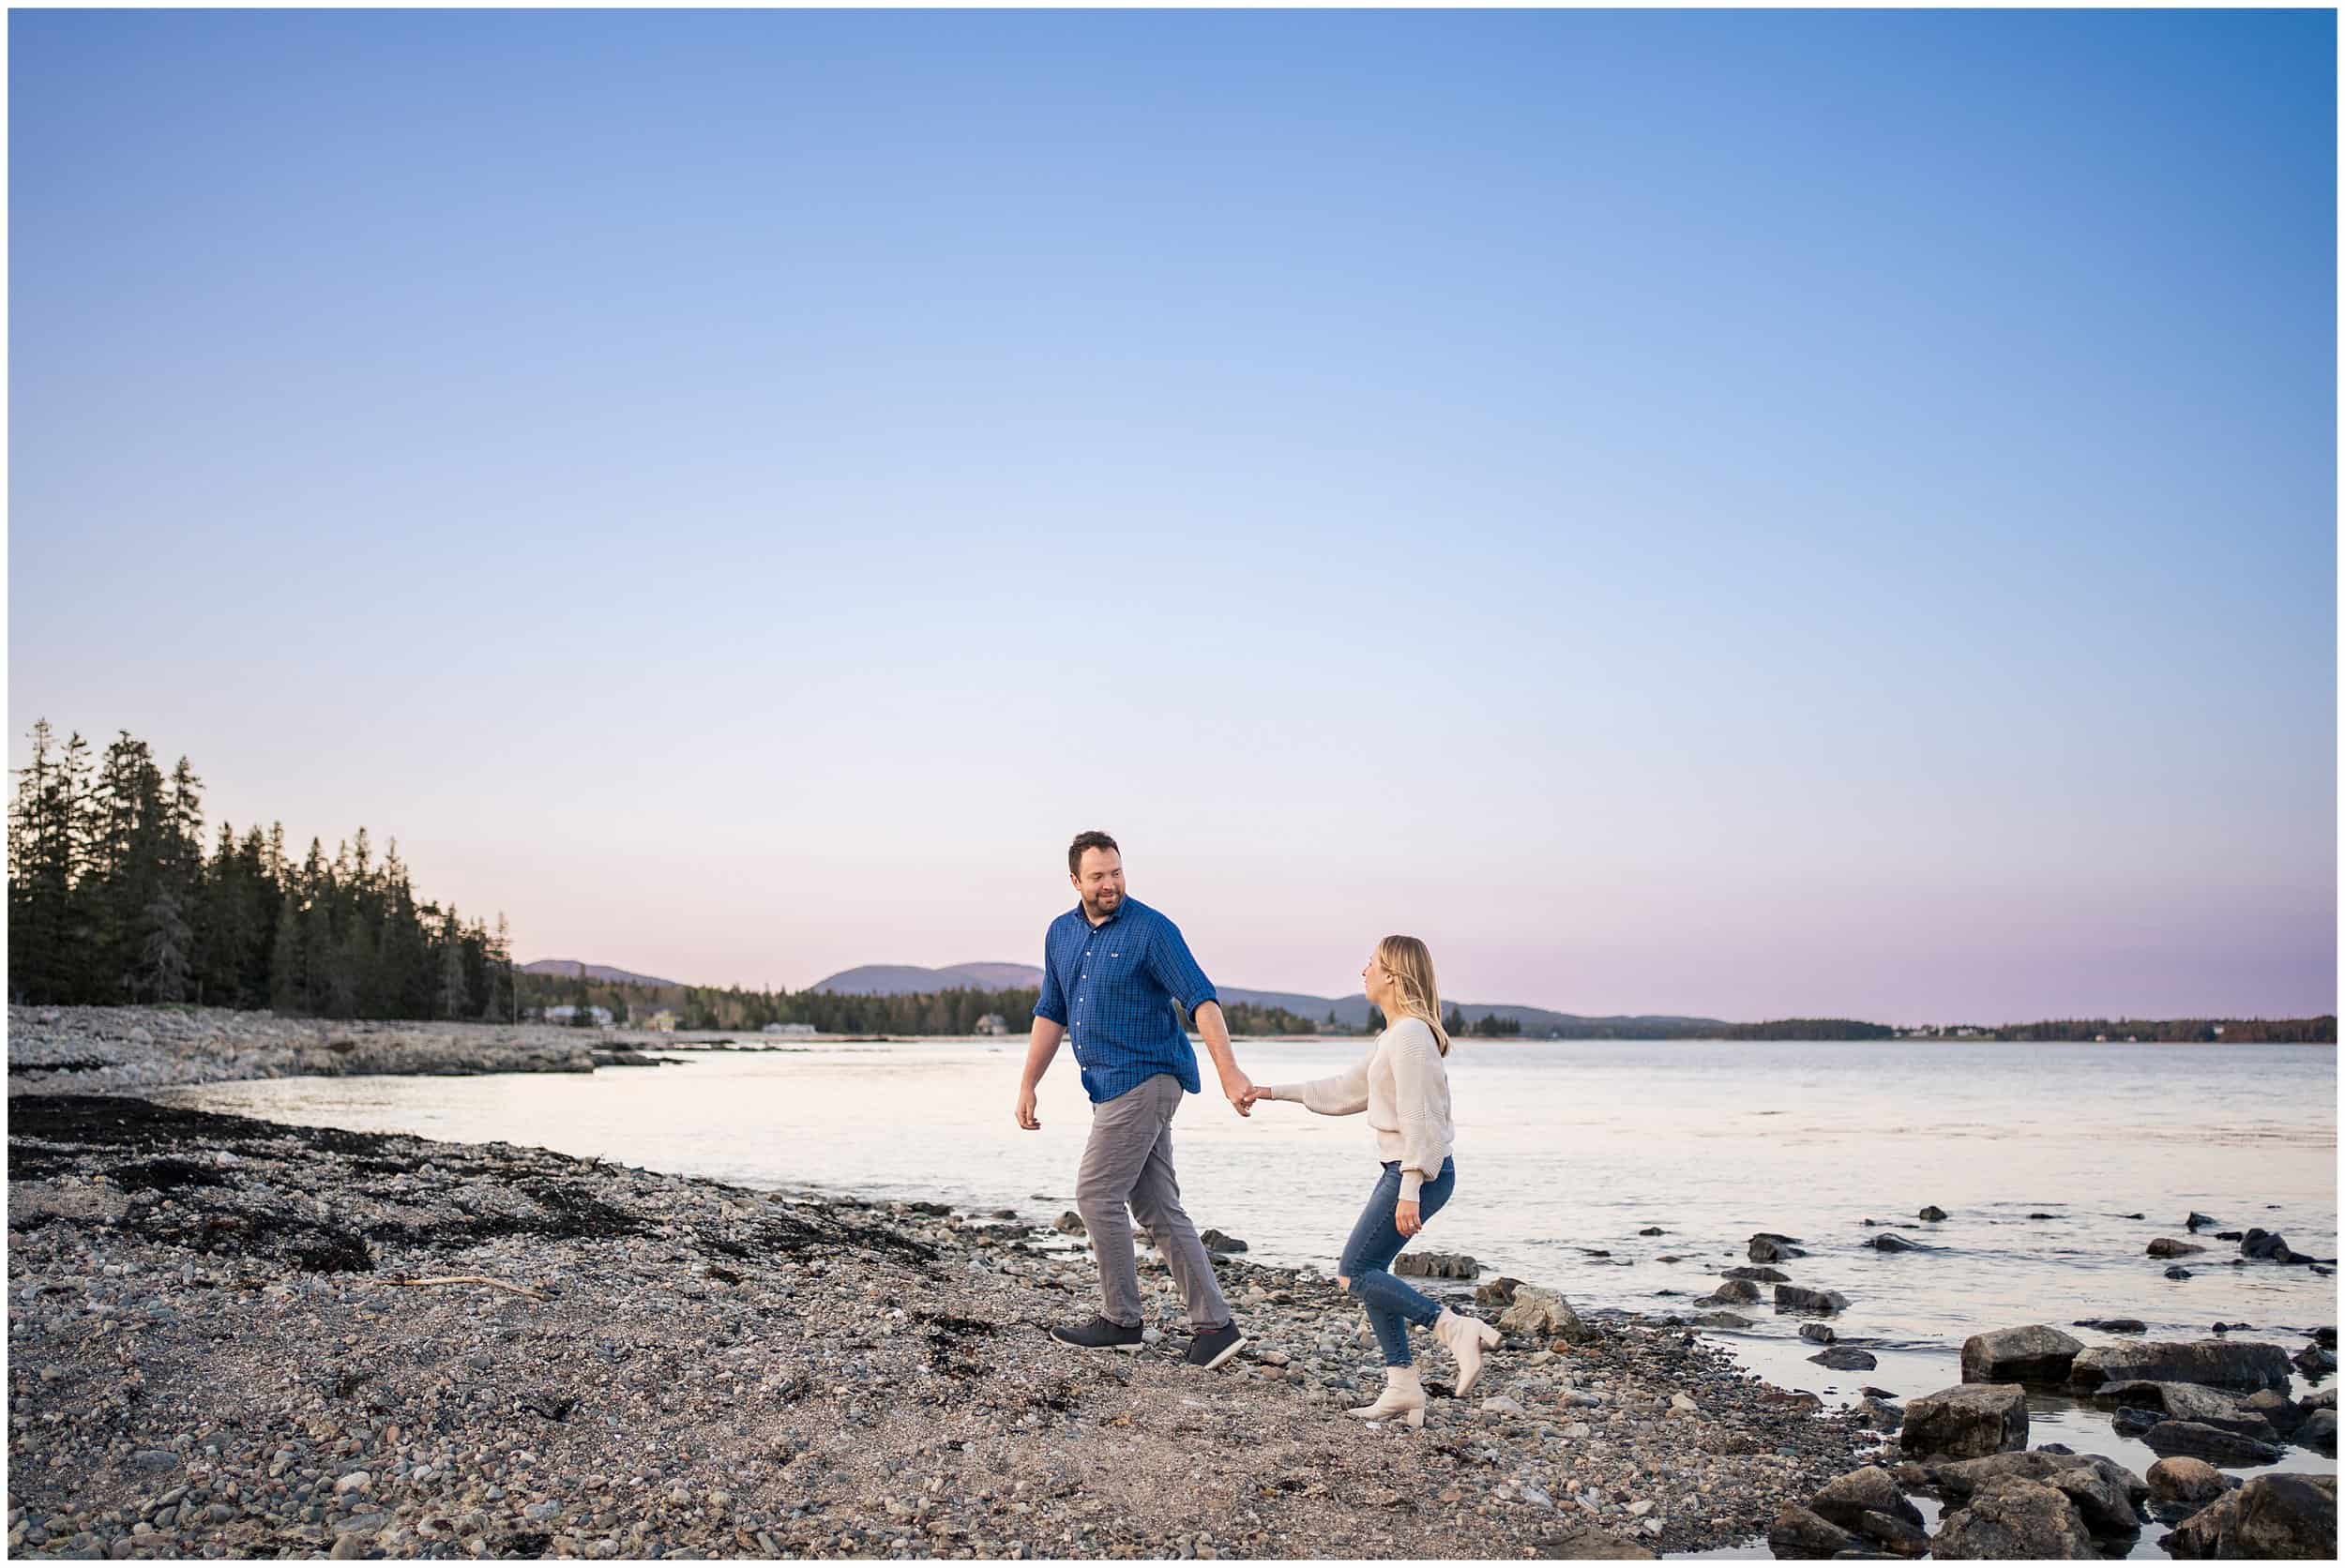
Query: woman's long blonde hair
{"points": [[1411, 966]]}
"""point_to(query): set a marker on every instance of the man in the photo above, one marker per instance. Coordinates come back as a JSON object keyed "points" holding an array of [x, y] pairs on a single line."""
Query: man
{"points": [[1112, 970]]}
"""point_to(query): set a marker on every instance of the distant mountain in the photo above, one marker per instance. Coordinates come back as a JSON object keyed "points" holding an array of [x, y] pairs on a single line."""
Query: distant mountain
{"points": [[909, 979], [570, 968]]}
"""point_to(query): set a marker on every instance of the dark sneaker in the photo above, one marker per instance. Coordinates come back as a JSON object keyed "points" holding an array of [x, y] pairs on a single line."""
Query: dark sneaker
{"points": [[1099, 1335], [1210, 1349]]}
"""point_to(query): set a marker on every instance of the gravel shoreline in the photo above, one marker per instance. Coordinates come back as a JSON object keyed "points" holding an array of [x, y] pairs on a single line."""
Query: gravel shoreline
{"points": [[213, 1355]]}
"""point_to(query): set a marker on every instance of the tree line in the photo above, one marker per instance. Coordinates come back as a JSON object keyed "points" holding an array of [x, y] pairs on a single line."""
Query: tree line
{"points": [[705, 1008], [2230, 1031], [114, 898]]}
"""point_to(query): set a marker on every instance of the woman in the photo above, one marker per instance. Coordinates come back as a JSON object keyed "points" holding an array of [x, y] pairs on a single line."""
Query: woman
{"points": [[1403, 1085]]}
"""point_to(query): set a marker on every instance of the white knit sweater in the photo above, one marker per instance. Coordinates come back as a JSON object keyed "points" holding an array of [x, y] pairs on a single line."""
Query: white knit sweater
{"points": [[1403, 1085]]}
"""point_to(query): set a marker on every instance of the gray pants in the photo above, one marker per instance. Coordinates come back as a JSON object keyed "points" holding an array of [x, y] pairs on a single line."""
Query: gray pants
{"points": [[1128, 1162]]}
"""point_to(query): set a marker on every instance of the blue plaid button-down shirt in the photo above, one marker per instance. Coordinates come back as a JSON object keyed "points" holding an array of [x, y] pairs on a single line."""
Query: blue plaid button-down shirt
{"points": [[1112, 986]]}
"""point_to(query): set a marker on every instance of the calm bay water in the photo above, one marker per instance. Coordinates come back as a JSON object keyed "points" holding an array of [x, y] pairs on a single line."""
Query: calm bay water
{"points": [[2038, 1152]]}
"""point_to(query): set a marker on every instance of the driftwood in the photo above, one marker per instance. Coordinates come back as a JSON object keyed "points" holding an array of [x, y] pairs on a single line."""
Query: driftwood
{"points": [[473, 1279]]}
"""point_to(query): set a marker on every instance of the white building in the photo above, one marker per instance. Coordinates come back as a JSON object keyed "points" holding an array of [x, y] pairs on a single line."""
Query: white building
{"points": [[788, 1028]]}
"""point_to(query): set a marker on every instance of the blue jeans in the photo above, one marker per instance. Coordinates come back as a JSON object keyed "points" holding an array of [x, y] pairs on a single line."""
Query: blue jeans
{"points": [[1392, 1306]]}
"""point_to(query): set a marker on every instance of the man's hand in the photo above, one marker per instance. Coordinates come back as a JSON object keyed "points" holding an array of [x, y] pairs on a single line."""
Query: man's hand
{"points": [[1404, 1219], [1240, 1089], [1025, 1109]]}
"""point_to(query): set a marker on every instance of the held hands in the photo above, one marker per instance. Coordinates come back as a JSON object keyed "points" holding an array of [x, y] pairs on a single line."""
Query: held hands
{"points": [[1025, 1109], [1241, 1093], [1404, 1218]]}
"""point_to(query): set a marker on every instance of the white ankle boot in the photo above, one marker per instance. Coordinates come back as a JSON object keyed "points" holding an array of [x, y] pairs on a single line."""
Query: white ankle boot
{"points": [[1466, 1339], [1403, 1396]]}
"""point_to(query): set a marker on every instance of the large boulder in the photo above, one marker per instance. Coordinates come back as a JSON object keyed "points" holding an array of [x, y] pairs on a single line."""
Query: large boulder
{"points": [[1799, 1298], [1763, 1277], [2107, 1494], [2269, 1246], [2287, 1517], [2278, 1410], [1731, 1290], [2032, 1354], [1845, 1498], [2319, 1430], [2015, 1518], [2183, 1478], [2208, 1407], [2211, 1443], [1768, 1247], [2270, 1517], [2166, 1246], [2245, 1366], [1544, 1315], [1974, 1420], [1800, 1532]]}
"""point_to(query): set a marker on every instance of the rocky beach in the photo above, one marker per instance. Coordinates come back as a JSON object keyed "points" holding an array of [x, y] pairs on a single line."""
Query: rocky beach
{"points": [[235, 1338]]}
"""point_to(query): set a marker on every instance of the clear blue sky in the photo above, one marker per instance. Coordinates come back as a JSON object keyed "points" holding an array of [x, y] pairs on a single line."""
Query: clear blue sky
{"points": [[1706, 512]]}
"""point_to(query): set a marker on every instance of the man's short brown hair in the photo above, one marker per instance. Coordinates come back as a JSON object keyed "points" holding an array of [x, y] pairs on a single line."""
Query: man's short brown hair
{"points": [[1087, 841]]}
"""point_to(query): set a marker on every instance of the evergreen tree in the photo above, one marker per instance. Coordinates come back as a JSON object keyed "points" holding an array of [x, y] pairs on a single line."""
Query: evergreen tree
{"points": [[288, 981], [165, 967], [455, 999]]}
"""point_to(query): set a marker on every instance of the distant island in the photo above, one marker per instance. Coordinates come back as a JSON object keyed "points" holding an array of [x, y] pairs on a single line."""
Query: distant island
{"points": [[960, 998]]}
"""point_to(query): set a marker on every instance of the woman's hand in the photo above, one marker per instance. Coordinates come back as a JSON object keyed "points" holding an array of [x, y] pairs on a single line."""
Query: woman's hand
{"points": [[1404, 1218]]}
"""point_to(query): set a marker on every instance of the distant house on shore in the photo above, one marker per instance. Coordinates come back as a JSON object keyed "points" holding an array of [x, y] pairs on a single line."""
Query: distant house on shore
{"points": [[788, 1028], [567, 1014], [993, 1023], [663, 1021]]}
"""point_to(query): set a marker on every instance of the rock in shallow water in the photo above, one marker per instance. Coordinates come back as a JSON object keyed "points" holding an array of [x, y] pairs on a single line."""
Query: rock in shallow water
{"points": [[1801, 1532], [2032, 1354], [2015, 1518], [1973, 1420], [1870, 1489], [2212, 1443], [2183, 1478], [2286, 1516], [2240, 1365], [1799, 1298]]}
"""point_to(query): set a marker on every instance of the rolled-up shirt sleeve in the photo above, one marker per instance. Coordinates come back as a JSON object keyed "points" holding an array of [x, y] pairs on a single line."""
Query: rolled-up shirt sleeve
{"points": [[1175, 969], [1051, 1003]]}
